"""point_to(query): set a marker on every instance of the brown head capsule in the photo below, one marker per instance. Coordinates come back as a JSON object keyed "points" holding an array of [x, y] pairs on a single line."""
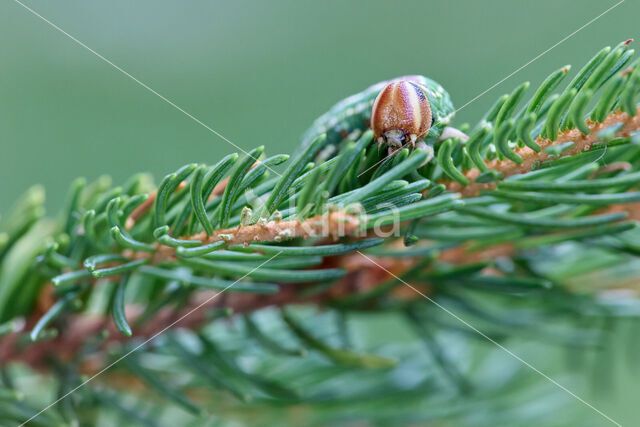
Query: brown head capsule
{"points": [[400, 114]]}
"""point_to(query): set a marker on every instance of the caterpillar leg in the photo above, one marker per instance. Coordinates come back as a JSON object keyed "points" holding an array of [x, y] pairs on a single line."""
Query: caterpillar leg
{"points": [[451, 132], [421, 145]]}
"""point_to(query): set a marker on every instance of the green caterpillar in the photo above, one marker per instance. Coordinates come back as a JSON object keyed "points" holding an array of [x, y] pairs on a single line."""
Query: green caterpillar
{"points": [[354, 113]]}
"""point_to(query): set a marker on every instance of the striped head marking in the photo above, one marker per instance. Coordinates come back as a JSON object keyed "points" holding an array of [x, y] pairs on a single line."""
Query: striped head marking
{"points": [[400, 114]]}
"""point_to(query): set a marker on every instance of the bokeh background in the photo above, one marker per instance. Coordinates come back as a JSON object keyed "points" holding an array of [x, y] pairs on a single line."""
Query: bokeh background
{"points": [[259, 73]]}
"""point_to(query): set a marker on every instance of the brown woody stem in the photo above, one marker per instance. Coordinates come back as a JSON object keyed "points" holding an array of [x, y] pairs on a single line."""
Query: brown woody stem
{"points": [[361, 274]]}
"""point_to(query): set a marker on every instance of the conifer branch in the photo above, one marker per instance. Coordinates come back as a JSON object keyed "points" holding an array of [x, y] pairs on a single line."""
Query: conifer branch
{"points": [[505, 219], [530, 158]]}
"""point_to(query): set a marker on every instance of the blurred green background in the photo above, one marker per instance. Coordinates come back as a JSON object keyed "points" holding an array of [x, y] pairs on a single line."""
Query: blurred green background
{"points": [[259, 73]]}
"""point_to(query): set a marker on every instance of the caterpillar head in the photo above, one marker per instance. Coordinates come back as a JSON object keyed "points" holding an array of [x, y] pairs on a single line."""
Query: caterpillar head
{"points": [[401, 114]]}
